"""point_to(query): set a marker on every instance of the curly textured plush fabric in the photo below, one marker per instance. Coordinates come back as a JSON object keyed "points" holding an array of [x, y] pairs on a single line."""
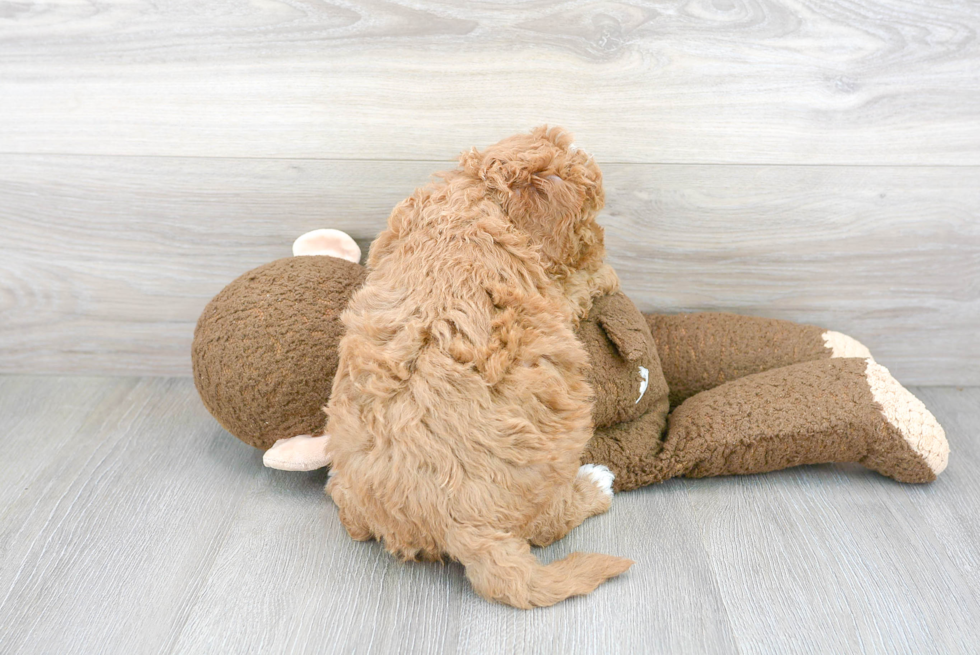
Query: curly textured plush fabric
{"points": [[627, 432], [693, 353], [625, 371], [702, 350], [759, 395], [265, 354], [265, 348]]}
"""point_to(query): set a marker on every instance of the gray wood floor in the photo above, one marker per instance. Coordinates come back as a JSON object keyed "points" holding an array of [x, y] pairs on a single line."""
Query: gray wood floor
{"points": [[131, 522]]}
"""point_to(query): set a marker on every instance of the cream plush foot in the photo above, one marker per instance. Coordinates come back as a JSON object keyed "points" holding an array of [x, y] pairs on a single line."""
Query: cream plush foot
{"points": [[841, 345], [300, 453], [915, 448]]}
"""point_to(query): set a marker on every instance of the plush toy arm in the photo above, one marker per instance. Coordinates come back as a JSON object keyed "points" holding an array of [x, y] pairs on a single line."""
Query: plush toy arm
{"points": [[822, 411], [629, 449], [702, 350]]}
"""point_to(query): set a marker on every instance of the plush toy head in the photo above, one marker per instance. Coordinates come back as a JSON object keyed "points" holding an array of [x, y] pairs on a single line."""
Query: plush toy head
{"points": [[265, 348]]}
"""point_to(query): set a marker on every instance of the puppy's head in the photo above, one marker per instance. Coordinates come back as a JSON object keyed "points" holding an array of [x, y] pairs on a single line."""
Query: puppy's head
{"points": [[550, 190]]}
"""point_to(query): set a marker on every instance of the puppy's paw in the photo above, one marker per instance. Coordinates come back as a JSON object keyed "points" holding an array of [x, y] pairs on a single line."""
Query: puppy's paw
{"points": [[600, 476]]}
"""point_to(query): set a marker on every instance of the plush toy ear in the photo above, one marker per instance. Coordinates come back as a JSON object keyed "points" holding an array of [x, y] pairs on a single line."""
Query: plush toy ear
{"points": [[327, 242], [624, 326]]}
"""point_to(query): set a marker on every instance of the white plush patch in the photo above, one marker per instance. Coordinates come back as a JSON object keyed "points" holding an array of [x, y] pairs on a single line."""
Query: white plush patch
{"points": [[644, 382], [842, 345], [600, 476], [909, 416]]}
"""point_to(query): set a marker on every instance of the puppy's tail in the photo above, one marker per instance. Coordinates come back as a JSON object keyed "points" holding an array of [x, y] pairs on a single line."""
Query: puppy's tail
{"points": [[501, 567]]}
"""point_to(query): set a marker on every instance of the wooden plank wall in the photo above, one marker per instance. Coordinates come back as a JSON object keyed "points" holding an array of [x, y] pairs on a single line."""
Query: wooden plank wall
{"points": [[818, 162]]}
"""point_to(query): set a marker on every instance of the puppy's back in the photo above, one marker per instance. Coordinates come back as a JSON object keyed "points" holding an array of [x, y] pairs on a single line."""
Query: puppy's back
{"points": [[456, 388], [460, 403]]}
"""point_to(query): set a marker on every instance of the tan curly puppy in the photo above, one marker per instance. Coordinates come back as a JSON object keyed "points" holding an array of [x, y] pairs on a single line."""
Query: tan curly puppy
{"points": [[460, 407]]}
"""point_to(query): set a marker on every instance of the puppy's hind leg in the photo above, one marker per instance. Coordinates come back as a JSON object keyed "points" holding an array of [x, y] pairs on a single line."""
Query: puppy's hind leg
{"points": [[350, 514], [590, 493]]}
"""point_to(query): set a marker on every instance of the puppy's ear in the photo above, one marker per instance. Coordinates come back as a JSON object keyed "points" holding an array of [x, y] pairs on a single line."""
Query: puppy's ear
{"points": [[564, 196], [505, 175], [547, 208], [399, 222], [497, 174]]}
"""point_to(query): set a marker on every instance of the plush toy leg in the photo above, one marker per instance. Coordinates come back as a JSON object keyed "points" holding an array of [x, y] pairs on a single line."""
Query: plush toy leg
{"points": [[300, 453], [702, 350], [835, 410]]}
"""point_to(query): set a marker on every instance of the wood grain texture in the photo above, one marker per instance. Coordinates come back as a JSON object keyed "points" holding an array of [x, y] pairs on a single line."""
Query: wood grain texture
{"points": [[317, 589], [152, 530], [668, 602], [106, 262], [29, 435], [955, 521], [708, 81], [105, 550], [890, 256]]}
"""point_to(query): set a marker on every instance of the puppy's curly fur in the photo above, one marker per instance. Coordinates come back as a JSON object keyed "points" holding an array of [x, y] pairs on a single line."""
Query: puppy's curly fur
{"points": [[460, 407]]}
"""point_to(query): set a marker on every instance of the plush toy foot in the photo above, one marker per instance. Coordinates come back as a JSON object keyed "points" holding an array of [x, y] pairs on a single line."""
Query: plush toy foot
{"points": [[841, 345], [300, 453], [913, 446]]}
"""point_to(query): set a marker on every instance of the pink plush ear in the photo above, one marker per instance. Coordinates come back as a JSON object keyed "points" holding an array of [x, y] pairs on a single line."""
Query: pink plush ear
{"points": [[327, 242]]}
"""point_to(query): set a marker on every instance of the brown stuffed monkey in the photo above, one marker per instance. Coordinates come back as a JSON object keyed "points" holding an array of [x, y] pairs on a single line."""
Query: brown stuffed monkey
{"points": [[747, 394]]}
